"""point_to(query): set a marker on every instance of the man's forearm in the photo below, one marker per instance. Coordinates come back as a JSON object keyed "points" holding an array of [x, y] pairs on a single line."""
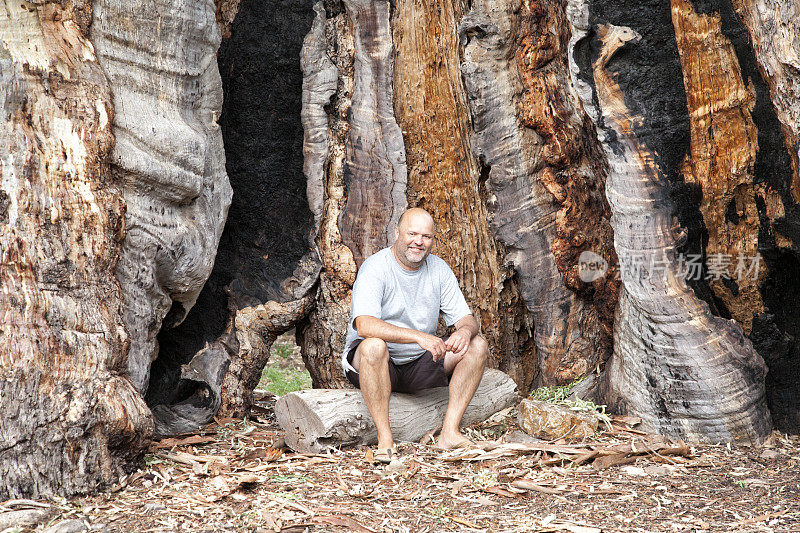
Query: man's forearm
{"points": [[469, 323], [369, 326]]}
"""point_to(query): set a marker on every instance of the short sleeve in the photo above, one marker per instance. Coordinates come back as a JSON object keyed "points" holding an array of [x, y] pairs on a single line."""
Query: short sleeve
{"points": [[367, 292], [453, 305]]}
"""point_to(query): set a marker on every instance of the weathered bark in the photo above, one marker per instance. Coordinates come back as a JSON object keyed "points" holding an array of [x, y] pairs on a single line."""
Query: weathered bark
{"points": [[169, 157], [71, 422], [444, 177], [545, 181], [315, 420], [685, 372], [518, 200], [746, 204], [364, 176], [774, 29], [724, 143]]}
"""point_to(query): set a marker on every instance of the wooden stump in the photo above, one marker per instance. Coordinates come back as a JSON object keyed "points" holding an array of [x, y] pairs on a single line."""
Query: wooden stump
{"points": [[317, 419]]}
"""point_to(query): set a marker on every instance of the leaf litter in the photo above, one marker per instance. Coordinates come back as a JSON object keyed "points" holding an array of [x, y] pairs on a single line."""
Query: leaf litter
{"points": [[237, 475]]}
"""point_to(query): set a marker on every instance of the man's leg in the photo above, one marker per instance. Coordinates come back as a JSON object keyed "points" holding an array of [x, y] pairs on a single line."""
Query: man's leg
{"points": [[372, 362], [466, 375]]}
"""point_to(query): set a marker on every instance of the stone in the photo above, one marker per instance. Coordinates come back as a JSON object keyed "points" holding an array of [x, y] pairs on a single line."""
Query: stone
{"points": [[551, 422], [67, 526]]}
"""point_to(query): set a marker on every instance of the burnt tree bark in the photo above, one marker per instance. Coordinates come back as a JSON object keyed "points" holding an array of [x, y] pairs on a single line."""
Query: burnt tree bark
{"points": [[718, 140], [266, 269], [503, 118], [685, 372]]}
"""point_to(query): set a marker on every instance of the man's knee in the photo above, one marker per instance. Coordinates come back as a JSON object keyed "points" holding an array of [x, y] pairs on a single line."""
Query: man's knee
{"points": [[478, 348], [373, 351]]}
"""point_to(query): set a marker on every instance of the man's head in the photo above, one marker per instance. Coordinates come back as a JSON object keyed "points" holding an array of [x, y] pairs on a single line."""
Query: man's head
{"points": [[413, 238]]}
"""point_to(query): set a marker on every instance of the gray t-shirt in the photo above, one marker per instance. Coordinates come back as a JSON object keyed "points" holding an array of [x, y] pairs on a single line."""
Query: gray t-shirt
{"points": [[404, 298]]}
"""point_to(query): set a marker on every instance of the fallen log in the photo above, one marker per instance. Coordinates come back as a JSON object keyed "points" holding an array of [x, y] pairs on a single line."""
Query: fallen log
{"points": [[317, 419]]}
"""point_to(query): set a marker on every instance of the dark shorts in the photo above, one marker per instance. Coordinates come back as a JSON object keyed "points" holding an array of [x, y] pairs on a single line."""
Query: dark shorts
{"points": [[420, 374]]}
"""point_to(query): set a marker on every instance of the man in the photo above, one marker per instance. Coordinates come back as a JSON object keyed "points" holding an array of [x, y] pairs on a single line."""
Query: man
{"points": [[391, 343]]}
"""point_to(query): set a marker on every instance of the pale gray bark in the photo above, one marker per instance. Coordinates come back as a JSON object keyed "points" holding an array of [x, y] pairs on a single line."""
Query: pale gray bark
{"points": [[317, 419], [168, 155], [70, 421]]}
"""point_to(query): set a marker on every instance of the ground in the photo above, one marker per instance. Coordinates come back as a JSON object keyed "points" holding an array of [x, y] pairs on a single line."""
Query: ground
{"points": [[235, 475]]}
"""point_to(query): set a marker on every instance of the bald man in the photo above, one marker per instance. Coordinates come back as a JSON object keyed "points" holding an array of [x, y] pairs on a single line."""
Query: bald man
{"points": [[391, 342]]}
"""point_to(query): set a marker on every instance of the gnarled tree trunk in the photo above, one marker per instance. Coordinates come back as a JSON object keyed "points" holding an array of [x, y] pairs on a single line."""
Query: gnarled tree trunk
{"points": [[169, 158], [545, 180], [71, 421], [503, 118], [685, 372]]}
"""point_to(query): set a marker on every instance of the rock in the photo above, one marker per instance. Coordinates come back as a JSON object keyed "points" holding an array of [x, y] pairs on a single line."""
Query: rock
{"points": [[24, 517], [658, 470], [550, 422], [396, 466], [633, 470], [521, 436], [67, 526], [769, 454]]}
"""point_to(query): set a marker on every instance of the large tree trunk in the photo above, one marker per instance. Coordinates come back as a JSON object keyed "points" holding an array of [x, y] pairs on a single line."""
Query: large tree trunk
{"points": [[444, 176], [70, 421], [169, 157], [364, 177], [774, 29], [337, 116], [685, 372], [508, 290], [544, 177], [717, 141]]}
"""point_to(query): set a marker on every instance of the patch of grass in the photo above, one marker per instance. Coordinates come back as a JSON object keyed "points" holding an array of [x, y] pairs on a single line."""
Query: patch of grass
{"points": [[150, 460], [440, 513], [279, 380], [553, 394], [282, 381], [284, 351]]}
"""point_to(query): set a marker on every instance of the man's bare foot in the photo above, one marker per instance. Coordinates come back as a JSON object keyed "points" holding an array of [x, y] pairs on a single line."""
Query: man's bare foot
{"points": [[452, 442]]}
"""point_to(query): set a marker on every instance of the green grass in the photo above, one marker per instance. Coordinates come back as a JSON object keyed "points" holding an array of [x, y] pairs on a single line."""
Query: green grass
{"points": [[558, 395], [554, 394], [278, 380]]}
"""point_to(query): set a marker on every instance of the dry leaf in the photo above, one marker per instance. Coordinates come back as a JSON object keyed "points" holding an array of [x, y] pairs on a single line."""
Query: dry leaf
{"points": [[530, 485], [463, 522]]}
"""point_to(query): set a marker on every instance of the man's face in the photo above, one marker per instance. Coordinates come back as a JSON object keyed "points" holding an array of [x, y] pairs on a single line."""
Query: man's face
{"points": [[414, 239]]}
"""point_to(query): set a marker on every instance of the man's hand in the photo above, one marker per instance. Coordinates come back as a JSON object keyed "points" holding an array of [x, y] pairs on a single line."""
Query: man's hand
{"points": [[458, 342], [433, 344]]}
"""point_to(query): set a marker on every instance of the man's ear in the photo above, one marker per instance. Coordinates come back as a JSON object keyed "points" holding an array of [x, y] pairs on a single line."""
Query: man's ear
{"points": [[396, 233]]}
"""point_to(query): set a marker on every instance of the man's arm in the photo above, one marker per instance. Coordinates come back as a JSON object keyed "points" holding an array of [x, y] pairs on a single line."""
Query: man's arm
{"points": [[369, 326], [466, 328]]}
